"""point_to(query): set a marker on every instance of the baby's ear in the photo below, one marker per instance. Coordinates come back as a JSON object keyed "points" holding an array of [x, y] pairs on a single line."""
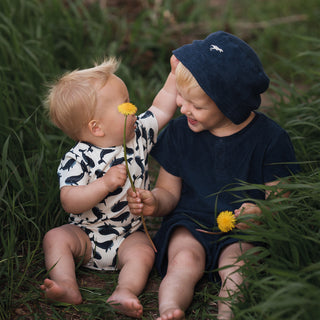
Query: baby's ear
{"points": [[95, 128]]}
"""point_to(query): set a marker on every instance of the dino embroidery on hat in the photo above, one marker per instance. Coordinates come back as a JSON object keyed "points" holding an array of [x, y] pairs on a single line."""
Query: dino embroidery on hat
{"points": [[214, 47]]}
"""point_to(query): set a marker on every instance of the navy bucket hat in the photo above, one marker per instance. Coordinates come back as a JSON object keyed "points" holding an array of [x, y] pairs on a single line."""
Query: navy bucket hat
{"points": [[229, 72]]}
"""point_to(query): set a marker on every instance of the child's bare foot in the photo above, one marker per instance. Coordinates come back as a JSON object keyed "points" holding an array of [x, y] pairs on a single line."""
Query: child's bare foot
{"points": [[126, 303], [172, 314], [55, 292]]}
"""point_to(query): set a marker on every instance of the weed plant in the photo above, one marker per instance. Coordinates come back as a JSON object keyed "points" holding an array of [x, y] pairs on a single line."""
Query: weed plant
{"points": [[40, 40]]}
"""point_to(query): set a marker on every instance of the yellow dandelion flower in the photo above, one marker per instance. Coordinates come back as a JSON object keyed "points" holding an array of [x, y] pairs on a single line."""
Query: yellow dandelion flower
{"points": [[127, 108], [226, 221]]}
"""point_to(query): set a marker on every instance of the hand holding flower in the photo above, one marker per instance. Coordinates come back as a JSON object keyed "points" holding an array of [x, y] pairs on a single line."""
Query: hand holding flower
{"points": [[141, 202], [227, 220], [245, 210]]}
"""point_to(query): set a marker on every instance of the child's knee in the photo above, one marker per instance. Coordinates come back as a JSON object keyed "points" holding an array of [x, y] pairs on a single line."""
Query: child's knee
{"points": [[55, 236], [147, 254], [187, 259], [51, 236], [141, 253], [231, 274]]}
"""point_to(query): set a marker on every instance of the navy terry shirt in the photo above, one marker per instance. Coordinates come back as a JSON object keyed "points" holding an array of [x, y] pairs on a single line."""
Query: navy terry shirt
{"points": [[209, 165]]}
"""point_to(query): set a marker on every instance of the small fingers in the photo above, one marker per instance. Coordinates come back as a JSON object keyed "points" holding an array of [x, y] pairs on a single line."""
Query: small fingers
{"points": [[135, 207], [242, 226], [133, 196]]}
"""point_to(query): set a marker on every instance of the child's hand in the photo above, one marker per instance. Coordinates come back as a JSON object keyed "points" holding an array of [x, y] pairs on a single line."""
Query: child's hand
{"points": [[173, 62], [115, 177], [246, 209], [141, 202]]}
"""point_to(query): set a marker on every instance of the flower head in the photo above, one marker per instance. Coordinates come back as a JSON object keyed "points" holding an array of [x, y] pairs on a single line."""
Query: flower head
{"points": [[127, 108], [226, 221]]}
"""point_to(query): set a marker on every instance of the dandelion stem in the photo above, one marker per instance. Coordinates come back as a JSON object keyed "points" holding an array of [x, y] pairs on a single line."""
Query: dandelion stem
{"points": [[131, 182], [125, 153], [209, 232]]}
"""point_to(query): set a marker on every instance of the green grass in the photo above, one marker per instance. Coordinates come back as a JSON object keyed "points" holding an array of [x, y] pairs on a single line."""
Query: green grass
{"points": [[39, 40]]}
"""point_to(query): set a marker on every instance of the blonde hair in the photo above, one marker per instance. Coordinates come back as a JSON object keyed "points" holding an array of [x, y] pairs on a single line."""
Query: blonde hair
{"points": [[72, 99], [184, 77]]}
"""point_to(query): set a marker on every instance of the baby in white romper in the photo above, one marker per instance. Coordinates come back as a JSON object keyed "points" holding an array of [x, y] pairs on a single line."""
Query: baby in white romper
{"points": [[102, 234]]}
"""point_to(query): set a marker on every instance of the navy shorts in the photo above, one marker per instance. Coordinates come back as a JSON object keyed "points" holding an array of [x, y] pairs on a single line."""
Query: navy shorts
{"points": [[212, 243]]}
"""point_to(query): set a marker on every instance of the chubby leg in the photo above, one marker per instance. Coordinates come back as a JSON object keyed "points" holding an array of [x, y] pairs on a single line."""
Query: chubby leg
{"points": [[135, 261], [186, 263], [230, 276], [62, 247]]}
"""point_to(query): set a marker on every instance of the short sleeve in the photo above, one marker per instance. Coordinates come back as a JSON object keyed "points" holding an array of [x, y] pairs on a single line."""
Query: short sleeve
{"points": [[280, 160], [71, 172], [166, 150], [147, 128]]}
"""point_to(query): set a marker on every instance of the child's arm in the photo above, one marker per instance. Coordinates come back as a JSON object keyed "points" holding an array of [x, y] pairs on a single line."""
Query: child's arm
{"points": [[158, 202], [164, 104], [77, 199]]}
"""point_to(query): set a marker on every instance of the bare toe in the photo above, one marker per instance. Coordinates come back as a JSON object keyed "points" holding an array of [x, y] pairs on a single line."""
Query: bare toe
{"points": [[172, 314], [126, 303]]}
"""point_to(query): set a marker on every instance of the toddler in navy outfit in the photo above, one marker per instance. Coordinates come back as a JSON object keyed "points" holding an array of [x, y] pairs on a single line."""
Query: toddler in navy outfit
{"points": [[218, 142], [102, 234]]}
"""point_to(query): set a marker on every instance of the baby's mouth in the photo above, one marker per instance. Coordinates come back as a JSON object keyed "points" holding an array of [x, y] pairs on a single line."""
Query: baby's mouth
{"points": [[192, 121]]}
